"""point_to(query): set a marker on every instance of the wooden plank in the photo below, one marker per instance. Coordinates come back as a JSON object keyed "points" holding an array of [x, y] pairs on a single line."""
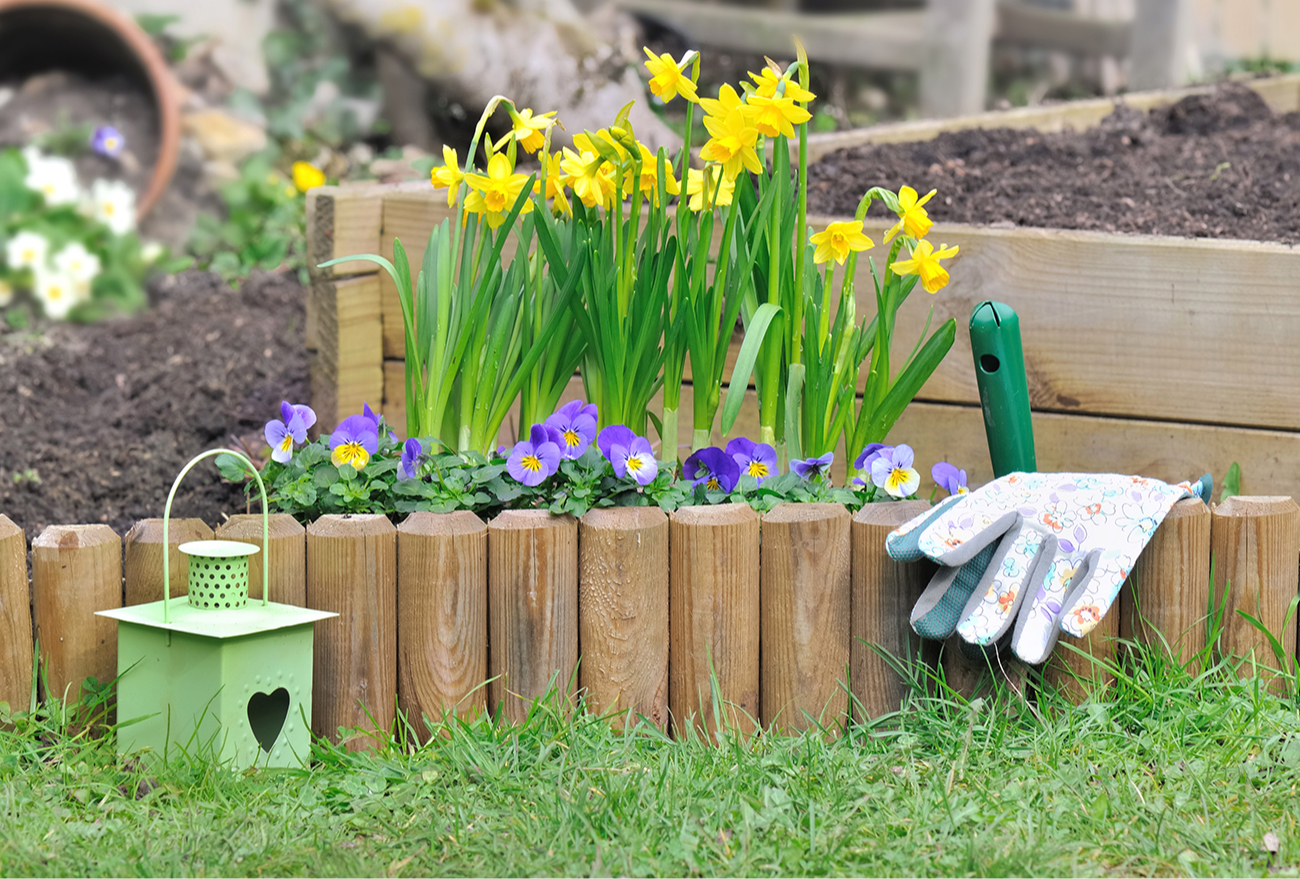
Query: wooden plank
{"points": [[341, 221], [15, 618], [954, 78], [1084, 670], [1161, 40], [1046, 28], [347, 367], [143, 565], [288, 555]]}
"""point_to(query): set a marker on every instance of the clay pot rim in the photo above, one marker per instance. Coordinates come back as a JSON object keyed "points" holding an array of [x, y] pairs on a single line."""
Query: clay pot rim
{"points": [[166, 93]]}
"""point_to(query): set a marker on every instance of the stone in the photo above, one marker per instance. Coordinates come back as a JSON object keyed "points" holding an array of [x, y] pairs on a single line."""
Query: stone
{"points": [[222, 136]]}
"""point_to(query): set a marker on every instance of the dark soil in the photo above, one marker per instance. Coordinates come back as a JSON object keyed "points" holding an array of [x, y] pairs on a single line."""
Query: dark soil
{"points": [[107, 415], [1222, 165]]}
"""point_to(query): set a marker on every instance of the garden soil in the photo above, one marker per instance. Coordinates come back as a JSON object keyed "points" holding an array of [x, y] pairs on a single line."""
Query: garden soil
{"points": [[105, 416], [1221, 165]]}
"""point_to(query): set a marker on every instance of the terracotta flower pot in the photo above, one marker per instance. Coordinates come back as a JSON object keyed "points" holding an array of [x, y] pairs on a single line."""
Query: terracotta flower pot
{"points": [[92, 39]]}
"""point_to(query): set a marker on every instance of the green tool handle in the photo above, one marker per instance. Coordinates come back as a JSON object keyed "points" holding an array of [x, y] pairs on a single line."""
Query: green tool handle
{"points": [[266, 528], [1004, 393]]}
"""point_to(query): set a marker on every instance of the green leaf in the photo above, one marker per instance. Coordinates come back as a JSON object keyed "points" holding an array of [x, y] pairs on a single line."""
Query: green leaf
{"points": [[1231, 482], [749, 348]]}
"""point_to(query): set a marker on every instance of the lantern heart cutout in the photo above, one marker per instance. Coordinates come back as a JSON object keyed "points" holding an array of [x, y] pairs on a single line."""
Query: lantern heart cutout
{"points": [[266, 716]]}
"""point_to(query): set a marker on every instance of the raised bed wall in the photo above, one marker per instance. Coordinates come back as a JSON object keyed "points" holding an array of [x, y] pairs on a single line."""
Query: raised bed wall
{"points": [[798, 615]]}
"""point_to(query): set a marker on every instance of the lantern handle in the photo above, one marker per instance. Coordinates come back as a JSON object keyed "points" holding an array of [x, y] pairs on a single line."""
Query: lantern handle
{"points": [[266, 528]]}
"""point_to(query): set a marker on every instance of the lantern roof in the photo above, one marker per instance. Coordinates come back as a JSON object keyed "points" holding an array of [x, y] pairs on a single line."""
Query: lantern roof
{"points": [[251, 619]]}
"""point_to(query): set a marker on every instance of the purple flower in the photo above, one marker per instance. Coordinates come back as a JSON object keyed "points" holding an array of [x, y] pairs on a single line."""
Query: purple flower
{"points": [[811, 467], [712, 468], [291, 427], [869, 454], [108, 141], [412, 452], [892, 471], [636, 460], [354, 441], [576, 424], [614, 435], [535, 458], [754, 459], [369, 413], [949, 478]]}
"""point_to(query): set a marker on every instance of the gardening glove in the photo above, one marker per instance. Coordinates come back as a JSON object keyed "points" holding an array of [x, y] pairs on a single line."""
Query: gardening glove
{"points": [[1045, 551]]}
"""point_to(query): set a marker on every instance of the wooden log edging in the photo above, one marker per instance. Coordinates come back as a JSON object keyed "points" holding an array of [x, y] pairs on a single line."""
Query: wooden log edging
{"points": [[143, 563], [15, 618], [288, 554]]}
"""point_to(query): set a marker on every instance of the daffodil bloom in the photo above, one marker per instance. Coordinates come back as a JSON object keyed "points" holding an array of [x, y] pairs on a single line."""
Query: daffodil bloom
{"points": [[307, 176], [773, 116], [590, 177], [649, 181], [530, 130], [767, 82], [912, 216], [695, 188], [496, 192], [449, 175], [582, 140], [837, 239], [667, 80], [555, 185], [925, 264], [732, 144]]}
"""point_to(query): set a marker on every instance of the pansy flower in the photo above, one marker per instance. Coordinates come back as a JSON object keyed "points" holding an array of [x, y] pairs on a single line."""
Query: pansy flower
{"points": [[713, 468], [754, 459], [869, 454], [535, 458], [291, 427], [108, 141], [949, 478], [354, 441], [614, 435], [412, 452], [636, 460], [893, 472], [376, 419], [576, 423], [809, 468]]}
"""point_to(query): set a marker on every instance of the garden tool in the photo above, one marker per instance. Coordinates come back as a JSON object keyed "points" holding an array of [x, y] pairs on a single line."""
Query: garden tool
{"points": [[1004, 393], [1045, 551]]}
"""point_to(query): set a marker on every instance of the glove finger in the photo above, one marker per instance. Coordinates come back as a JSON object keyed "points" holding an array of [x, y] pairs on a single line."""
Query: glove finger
{"points": [[1038, 623], [901, 544], [1020, 559], [939, 608], [1090, 598]]}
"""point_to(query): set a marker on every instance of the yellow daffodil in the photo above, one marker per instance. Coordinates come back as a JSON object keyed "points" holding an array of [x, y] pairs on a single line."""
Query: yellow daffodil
{"points": [[582, 140], [649, 181], [695, 188], [925, 264], [530, 130], [766, 83], [912, 216], [667, 80], [773, 116], [307, 176], [837, 239], [733, 134], [555, 185], [449, 175], [590, 176], [494, 194]]}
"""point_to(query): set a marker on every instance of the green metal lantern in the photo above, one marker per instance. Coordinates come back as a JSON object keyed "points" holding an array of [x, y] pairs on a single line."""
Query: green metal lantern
{"points": [[210, 674]]}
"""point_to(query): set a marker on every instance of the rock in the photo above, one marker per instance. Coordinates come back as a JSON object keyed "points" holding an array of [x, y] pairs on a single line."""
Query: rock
{"points": [[223, 137]]}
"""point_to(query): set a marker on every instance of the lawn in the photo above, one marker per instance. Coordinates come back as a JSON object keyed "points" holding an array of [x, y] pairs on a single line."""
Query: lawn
{"points": [[1165, 774]]}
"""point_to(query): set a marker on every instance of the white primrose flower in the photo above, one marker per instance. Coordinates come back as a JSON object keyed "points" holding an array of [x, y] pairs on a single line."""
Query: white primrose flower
{"points": [[112, 203], [151, 252], [77, 263], [27, 250], [54, 178], [56, 293], [6, 293]]}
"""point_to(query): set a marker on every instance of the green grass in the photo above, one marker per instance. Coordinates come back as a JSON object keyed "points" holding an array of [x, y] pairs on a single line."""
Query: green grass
{"points": [[1166, 773]]}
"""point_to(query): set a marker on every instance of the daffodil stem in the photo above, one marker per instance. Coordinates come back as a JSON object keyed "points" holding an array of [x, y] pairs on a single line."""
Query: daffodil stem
{"points": [[701, 438], [668, 437]]}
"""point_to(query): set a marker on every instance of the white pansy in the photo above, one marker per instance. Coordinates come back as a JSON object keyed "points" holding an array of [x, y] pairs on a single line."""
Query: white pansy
{"points": [[27, 250], [6, 293], [112, 203], [56, 293], [54, 178], [77, 263]]}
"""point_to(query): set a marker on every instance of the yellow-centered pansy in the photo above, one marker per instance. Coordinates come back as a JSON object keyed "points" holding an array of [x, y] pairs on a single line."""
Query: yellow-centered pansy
{"points": [[696, 189], [925, 264], [667, 80], [838, 239], [773, 116], [912, 216], [494, 194], [769, 78], [449, 175]]}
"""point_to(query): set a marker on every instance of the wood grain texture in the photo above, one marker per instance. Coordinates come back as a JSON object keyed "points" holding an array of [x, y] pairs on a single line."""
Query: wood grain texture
{"points": [[623, 612], [884, 593], [442, 635], [1077, 672], [1165, 602], [347, 365], [805, 599], [76, 570], [352, 571], [969, 671], [532, 609], [713, 617], [1255, 544], [341, 221], [15, 618], [288, 555], [143, 565]]}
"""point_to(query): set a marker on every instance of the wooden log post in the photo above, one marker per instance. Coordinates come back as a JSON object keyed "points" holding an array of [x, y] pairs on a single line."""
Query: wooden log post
{"points": [[884, 593], [76, 570], [1255, 546], [532, 609], [971, 671], [15, 618], [805, 600], [623, 612], [1166, 600], [441, 617], [288, 555], [144, 562], [713, 618], [352, 571], [1081, 672]]}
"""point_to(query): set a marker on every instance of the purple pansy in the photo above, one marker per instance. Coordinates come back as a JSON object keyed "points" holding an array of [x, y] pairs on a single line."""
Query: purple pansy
{"points": [[291, 427], [535, 458], [412, 452], [576, 423], [754, 459], [949, 478], [891, 470], [614, 435], [637, 461], [108, 141], [354, 441], [869, 454], [713, 468], [369, 413], [812, 467]]}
